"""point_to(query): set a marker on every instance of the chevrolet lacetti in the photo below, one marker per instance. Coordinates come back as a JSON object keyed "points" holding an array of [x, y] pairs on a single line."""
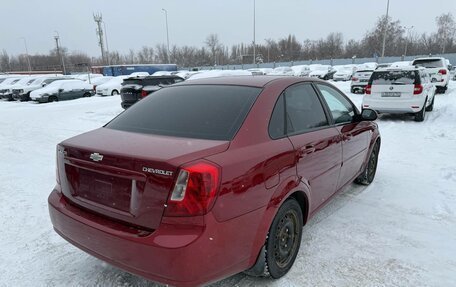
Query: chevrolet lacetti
{"points": [[209, 178]]}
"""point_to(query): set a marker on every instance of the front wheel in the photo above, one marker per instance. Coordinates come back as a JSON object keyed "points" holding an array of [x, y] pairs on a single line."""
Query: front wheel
{"points": [[368, 174], [114, 93], [86, 95], [284, 239]]}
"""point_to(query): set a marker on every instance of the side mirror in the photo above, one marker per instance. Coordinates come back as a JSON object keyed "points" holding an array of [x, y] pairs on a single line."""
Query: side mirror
{"points": [[368, 115], [43, 85], [60, 90]]}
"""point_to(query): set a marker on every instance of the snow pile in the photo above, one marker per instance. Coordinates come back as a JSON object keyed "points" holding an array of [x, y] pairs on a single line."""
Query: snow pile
{"points": [[399, 231]]}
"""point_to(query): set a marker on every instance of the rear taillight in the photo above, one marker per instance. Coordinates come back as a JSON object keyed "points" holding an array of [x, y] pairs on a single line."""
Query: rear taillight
{"points": [[59, 158], [368, 89], [354, 79], [195, 190], [94, 88], [143, 94], [418, 89], [442, 72]]}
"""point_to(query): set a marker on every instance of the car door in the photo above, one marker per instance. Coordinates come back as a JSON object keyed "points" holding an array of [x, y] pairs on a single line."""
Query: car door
{"points": [[65, 92], [317, 144], [355, 134], [77, 91]]}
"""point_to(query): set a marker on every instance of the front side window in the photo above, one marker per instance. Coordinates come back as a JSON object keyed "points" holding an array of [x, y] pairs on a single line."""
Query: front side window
{"points": [[304, 109], [341, 109]]}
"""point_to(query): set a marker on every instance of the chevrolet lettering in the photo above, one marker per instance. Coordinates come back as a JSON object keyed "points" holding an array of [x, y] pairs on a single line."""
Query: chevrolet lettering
{"points": [[157, 171]]}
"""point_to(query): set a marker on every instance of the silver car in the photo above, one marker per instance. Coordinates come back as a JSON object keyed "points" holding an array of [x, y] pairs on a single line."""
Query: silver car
{"points": [[360, 80]]}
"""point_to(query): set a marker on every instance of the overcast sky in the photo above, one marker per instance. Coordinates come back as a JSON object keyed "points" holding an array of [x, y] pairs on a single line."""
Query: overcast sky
{"points": [[133, 24]]}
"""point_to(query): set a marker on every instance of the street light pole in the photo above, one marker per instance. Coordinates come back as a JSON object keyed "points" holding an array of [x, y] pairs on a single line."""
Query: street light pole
{"points": [[167, 33], [407, 38], [27, 54], [385, 28], [254, 32], [107, 46], [60, 55]]}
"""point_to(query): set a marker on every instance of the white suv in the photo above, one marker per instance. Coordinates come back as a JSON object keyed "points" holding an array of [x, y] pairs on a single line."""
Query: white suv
{"points": [[400, 90], [437, 68]]}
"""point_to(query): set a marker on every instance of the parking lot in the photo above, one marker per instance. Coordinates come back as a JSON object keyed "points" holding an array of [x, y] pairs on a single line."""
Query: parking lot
{"points": [[399, 231]]}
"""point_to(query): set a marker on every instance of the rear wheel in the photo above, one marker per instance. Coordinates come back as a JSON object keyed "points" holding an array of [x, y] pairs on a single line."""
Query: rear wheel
{"points": [[53, 99], [86, 95], [282, 244], [114, 92], [419, 116], [431, 106], [368, 175]]}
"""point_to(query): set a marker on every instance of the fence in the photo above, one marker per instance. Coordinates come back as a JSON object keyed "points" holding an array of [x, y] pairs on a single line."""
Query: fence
{"points": [[450, 57]]}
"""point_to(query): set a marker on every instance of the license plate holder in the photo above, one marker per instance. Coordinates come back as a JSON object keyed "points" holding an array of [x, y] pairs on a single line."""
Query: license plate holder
{"points": [[391, 94]]}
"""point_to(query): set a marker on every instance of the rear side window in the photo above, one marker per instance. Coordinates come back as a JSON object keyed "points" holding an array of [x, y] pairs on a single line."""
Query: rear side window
{"points": [[214, 112], [394, 78], [428, 63], [304, 109]]}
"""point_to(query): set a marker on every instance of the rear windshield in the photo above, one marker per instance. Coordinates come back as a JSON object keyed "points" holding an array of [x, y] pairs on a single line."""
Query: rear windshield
{"points": [[428, 63], [132, 81], [213, 112], [394, 78]]}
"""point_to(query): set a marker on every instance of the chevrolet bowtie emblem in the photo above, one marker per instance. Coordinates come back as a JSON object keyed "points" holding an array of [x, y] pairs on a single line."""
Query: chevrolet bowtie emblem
{"points": [[96, 157]]}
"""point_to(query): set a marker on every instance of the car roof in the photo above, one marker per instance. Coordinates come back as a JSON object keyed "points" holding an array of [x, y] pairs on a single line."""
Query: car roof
{"points": [[252, 81], [403, 68], [429, 58]]}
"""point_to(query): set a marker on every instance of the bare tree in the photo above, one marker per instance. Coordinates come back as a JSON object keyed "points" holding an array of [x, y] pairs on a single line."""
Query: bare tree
{"points": [[446, 29], [213, 43]]}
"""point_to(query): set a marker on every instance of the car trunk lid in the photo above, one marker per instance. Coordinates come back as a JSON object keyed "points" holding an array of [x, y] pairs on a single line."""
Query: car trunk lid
{"points": [[126, 176]]}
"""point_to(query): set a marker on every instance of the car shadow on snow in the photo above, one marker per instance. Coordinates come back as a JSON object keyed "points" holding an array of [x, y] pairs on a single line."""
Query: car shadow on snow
{"points": [[104, 274]]}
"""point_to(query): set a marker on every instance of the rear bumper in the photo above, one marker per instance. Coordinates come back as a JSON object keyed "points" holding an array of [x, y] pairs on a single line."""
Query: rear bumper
{"points": [[394, 105], [180, 255], [21, 97]]}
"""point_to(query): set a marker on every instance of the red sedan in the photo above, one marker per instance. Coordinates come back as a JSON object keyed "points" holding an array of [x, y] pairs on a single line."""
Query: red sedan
{"points": [[209, 178]]}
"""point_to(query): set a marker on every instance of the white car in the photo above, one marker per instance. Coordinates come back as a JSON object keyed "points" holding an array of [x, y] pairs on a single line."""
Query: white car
{"points": [[6, 89], [86, 77], [282, 71], [344, 73], [400, 90], [301, 70], [22, 92], [62, 90], [324, 72], [437, 68], [112, 87], [100, 81]]}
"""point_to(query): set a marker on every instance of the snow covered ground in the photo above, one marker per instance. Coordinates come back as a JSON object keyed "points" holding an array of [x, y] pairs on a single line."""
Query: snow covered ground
{"points": [[399, 231]]}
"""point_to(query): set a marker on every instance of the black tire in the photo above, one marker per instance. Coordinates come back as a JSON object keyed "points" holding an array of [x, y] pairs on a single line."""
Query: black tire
{"points": [[430, 108], [87, 95], [421, 115], [114, 93], [284, 239], [368, 174], [53, 99]]}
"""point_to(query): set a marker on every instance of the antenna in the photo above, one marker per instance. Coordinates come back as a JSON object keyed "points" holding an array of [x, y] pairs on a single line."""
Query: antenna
{"points": [[98, 18]]}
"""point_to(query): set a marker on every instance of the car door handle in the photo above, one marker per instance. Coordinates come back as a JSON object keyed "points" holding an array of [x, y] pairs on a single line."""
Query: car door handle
{"points": [[308, 149], [347, 137]]}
